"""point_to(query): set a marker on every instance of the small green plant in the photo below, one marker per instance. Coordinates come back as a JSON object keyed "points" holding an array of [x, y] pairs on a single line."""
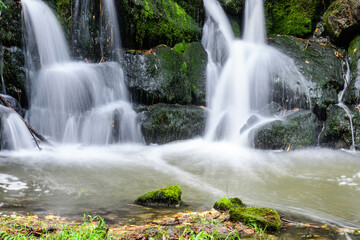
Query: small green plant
{"points": [[258, 230]]}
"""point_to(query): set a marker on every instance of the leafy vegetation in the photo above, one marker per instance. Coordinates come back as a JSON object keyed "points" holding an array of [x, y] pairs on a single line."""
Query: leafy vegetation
{"points": [[2, 5]]}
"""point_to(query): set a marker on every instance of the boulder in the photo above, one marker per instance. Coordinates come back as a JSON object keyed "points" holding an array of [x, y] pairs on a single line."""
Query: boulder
{"points": [[320, 64], [337, 131], [164, 197], [265, 218], [342, 20], [225, 204], [165, 75], [167, 123], [295, 130]]}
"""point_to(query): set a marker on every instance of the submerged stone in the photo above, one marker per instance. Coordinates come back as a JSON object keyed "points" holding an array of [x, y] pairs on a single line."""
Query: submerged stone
{"points": [[226, 204], [164, 197], [265, 218]]}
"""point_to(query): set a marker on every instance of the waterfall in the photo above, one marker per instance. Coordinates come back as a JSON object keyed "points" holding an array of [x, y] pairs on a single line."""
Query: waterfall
{"points": [[74, 101], [14, 134], [110, 31], [241, 73]]}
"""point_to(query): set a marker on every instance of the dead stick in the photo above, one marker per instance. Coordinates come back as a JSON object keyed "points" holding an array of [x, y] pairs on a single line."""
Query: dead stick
{"points": [[31, 129]]}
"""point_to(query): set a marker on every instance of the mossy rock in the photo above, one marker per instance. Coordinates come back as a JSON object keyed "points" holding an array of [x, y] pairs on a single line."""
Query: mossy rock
{"points": [[298, 130], [147, 23], [164, 197], [292, 17], [319, 65], [225, 204], [168, 123], [265, 218], [337, 131], [168, 76], [342, 20]]}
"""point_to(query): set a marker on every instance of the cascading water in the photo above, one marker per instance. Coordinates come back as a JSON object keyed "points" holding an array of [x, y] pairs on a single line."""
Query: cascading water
{"points": [[14, 133], [347, 79], [241, 73], [73, 101], [110, 31]]}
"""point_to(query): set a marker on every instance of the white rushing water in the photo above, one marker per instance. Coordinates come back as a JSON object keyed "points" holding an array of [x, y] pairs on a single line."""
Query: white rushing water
{"points": [[241, 73], [14, 132], [74, 101]]}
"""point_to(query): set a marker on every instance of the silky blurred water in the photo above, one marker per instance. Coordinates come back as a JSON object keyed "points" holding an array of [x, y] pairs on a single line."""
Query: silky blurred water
{"points": [[318, 184]]}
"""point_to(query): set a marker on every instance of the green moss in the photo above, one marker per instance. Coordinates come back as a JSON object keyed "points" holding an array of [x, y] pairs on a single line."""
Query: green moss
{"points": [[226, 204], [292, 17], [181, 47], [265, 218], [169, 196], [151, 22]]}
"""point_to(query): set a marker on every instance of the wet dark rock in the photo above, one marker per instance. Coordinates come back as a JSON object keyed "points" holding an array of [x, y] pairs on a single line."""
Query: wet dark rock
{"points": [[14, 74], [295, 130], [13, 103], [167, 76], [337, 131], [319, 65], [167, 123], [342, 20], [164, 197]]}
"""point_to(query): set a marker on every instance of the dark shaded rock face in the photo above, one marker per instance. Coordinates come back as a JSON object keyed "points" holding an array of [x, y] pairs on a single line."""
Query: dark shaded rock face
{"points": [[14, 74], [337, 131], [168, 123], [342, 20], [296, 130], [11, 55], [166, 76], [319, 65]]}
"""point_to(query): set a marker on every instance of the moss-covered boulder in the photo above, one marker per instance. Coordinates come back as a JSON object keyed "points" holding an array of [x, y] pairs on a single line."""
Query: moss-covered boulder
{"points": [[265, 218], [292, 17], [164, 197], [225, 204], [320, 64], [297, 130], [167, 76], [167, 123], [342, 20], [148, 23]]}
